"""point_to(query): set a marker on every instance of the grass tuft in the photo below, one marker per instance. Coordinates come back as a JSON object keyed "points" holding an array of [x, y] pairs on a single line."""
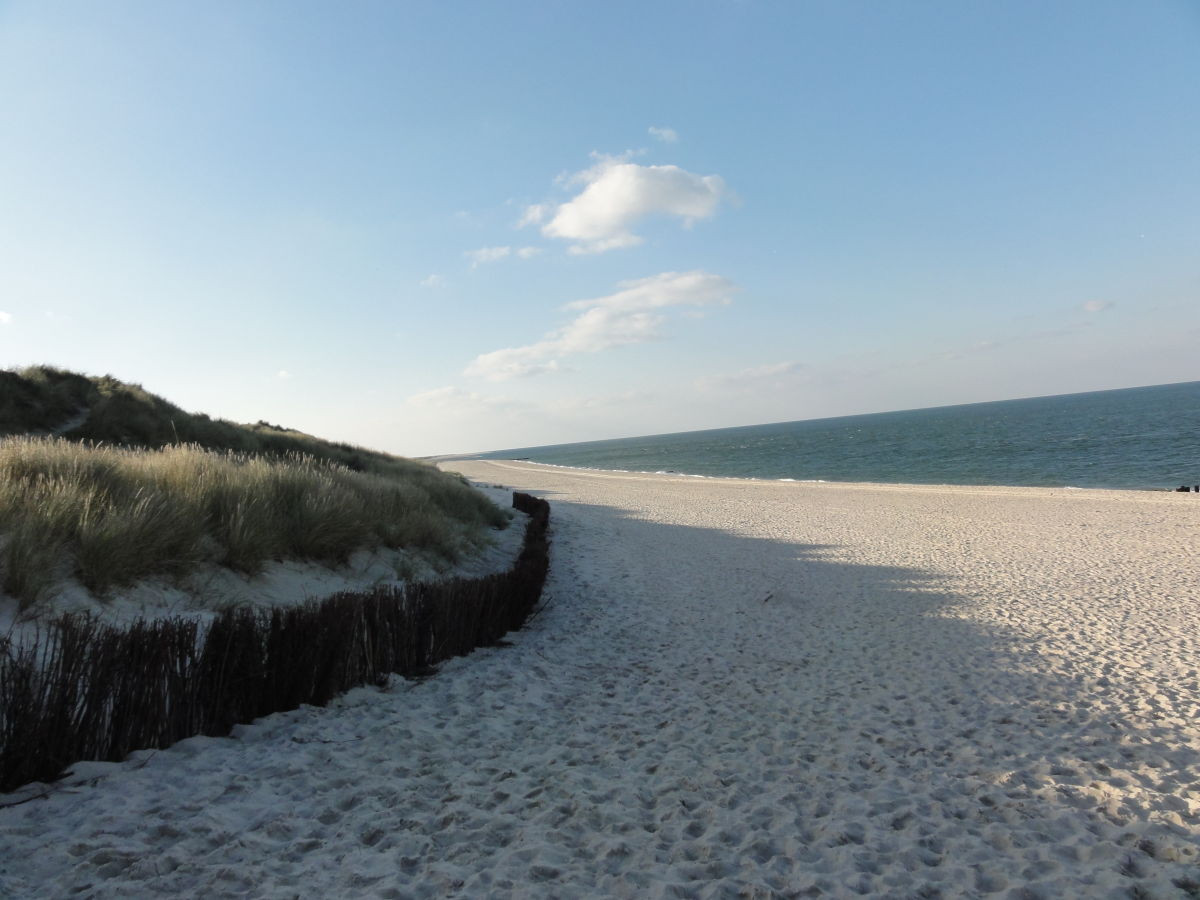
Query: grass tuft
{"points": [[76, 688], [116, 515], [134, 486]]}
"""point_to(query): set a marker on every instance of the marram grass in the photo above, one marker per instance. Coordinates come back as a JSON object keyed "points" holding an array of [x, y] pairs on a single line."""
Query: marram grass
{"points": [[76, 688], [110, 516]]}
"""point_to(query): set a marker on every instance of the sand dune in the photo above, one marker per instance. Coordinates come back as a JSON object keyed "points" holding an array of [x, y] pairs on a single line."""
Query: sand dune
{"points": [[739, 689]]}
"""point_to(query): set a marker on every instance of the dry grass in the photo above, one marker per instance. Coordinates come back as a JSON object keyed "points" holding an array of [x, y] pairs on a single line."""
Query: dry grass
{"points": [[110, 516], [104, 409], [80, 689]]}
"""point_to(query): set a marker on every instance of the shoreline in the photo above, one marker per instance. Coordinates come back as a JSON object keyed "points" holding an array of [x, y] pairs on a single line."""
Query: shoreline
{"points": [[451, 461], [734, 688]]}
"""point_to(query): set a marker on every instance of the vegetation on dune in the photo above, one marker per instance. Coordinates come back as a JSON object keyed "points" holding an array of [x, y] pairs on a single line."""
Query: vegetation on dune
{"points": [[142, 488], [81, 689], [41, 399]]}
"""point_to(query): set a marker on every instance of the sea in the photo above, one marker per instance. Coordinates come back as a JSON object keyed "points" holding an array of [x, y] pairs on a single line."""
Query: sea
{"points": [[1144, 438]]}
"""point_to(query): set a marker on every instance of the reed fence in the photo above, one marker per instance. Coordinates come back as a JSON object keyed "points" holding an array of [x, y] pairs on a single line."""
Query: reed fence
{"points": [[78, 689]]}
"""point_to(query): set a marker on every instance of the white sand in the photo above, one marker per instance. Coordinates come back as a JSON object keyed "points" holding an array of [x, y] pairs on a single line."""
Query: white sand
{"points": [[739, 689]]}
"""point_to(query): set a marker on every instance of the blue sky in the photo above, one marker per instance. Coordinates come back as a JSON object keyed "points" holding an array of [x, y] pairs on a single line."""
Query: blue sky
{"points": [[435, 227]]}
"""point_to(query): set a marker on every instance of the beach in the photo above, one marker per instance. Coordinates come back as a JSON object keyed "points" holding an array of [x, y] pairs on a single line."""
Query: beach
{"points": [[736, 688]]}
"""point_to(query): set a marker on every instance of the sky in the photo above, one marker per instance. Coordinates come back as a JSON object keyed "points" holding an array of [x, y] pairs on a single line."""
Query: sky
{"points": [[431, 227]]}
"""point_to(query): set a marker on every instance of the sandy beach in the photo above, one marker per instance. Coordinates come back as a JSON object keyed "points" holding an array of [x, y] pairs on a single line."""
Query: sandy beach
{"points": [[737, 689]]}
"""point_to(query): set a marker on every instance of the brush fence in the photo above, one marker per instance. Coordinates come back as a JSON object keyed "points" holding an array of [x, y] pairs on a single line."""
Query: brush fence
{"points": [[82, 690]]}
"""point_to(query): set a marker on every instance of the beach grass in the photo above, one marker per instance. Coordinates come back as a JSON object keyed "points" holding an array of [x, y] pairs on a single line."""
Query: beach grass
{"points": [[77, 688], [104, 409], [109, 516]]}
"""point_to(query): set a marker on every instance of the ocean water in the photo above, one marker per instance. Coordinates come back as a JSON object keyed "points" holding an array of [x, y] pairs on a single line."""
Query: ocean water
{"points": [[1144, 438]]}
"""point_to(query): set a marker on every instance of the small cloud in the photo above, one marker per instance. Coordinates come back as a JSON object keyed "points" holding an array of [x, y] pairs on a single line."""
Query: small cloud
{"points": [[585, 176], [666, 135], [5, 318], [455, 399], [606, 401], [487, 255], [616, 242], [617, 194], [1095, 306], [632, 315], [442, 396], [433, 281], [283, 374], [755, 377], [494, 254], [535, 214]]}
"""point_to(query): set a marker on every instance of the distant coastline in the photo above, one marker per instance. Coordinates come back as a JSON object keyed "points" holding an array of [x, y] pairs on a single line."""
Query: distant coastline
{"points": [[1127, 439], [832, 483]]}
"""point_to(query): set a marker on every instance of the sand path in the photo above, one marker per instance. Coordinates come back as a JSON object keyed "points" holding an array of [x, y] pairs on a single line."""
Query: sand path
{"points": [[739, 689]]}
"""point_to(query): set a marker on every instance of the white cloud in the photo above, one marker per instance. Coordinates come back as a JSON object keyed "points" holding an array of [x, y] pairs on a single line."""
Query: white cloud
{"points": [[616, 194], [433, 281], [535, 214], [442, 396], [494, 254], [1095, 306], [283, 374], [514, 362], [605, 401], [627, 317], [5, 318], [454, 399], [487, 255], [757, 376], [666, 135]]}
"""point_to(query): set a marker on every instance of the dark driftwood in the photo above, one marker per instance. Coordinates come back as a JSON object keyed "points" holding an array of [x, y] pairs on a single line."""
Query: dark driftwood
{"points": [[83, 690]]}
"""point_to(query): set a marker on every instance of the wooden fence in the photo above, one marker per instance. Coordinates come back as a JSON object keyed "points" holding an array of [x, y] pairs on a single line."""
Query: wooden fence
{"points": [[83, 690]]}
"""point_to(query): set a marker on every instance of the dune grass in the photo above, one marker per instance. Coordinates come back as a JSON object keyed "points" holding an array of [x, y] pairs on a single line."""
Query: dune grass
{"points": [[136, 486], [110, 515], [41, 399], [78, 688]]}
